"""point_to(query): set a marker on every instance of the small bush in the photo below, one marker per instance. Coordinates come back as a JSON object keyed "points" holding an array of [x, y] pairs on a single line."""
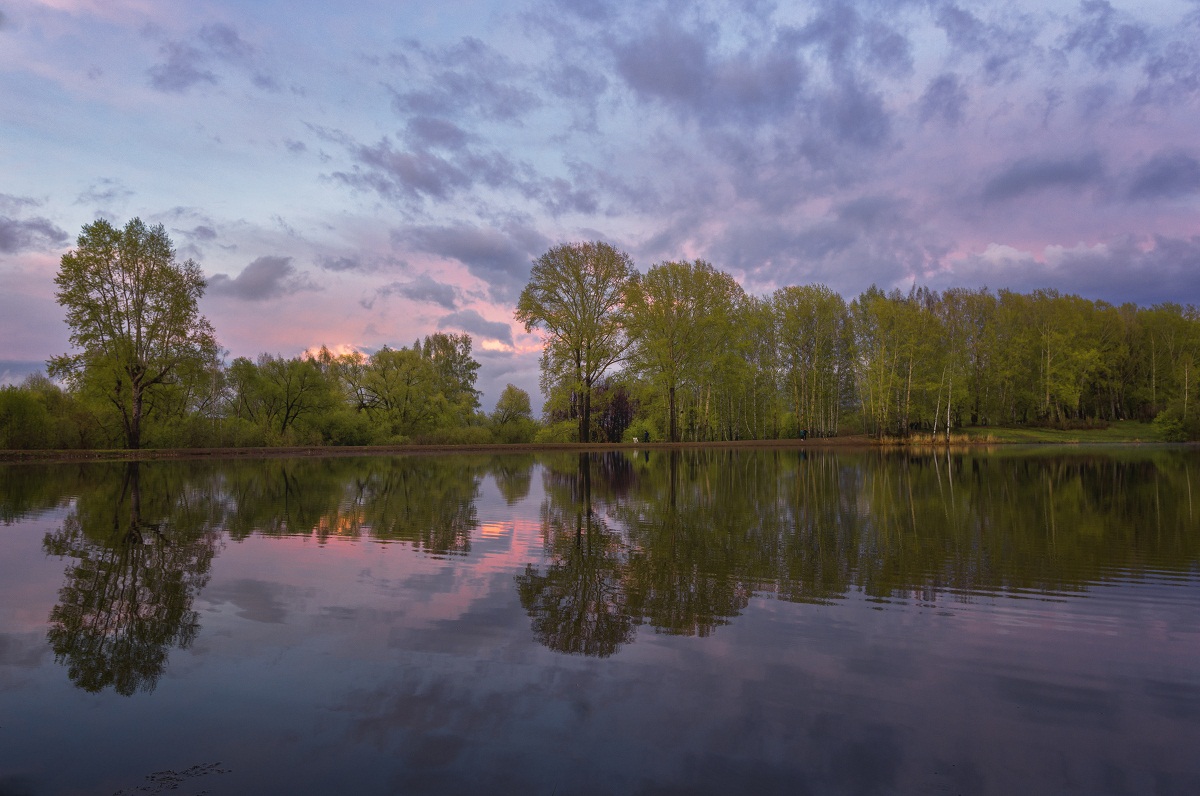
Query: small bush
{"points": [[562, 431], [1168, 426]]}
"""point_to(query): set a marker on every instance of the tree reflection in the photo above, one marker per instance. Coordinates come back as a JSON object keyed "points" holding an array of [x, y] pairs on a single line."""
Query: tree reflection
{"points": [[578, 605], [514, 477], [127, 598], [686, 578], [688, 538], [425, 501]]}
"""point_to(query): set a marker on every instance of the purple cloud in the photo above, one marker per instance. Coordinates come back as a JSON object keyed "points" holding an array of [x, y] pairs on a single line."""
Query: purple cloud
{"points": [[472, 322], [29, 233], [501, 259], [1167, 175], [265, 278], [1029, 175], [182, 68], [423, 288]]}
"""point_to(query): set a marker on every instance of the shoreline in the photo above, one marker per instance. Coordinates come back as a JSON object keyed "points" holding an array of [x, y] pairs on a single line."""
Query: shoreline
{"points": [[855, 442]]}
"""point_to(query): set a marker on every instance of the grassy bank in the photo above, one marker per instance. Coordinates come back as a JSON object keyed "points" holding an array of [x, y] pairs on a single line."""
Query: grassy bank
{"points": [[1123, 431]]}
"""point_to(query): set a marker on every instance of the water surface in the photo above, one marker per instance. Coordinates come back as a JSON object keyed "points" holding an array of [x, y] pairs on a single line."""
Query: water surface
{"points": [[711, 621]]}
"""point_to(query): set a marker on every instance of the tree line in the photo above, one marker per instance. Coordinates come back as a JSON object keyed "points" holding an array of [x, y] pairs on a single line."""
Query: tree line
{"points": [[147, 372], [691, 356], [680, 352]]}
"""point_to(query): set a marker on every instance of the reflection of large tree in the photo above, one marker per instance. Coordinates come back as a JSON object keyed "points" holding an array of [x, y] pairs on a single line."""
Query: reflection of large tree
{"points": [[128, 594], [578, 604], [687, 573]]}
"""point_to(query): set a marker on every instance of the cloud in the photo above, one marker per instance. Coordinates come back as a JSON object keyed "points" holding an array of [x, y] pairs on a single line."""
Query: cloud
{"points": [[267, 277], [573, 82], [964, 30], [468, 78], [1145, 271], [30, 233], [501, 259], [888, 51], [434, 132], [472, 322], [423, 288], [224, 42], [944, 99], [1167, 175], [184, 67], [1173, 72], [186, 64], [202, 232], [103, 192], [667, 63], [1105, 40], [418, 173], [1029, 175], [680, 68], [854, 114]]}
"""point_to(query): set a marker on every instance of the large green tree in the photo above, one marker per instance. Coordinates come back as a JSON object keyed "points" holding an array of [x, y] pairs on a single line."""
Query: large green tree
{"points": [[133, 314], [674, 325], [575, 296]]}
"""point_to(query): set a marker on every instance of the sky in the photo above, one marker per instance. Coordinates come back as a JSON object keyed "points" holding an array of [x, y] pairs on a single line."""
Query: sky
{"points": [[363, 174]]}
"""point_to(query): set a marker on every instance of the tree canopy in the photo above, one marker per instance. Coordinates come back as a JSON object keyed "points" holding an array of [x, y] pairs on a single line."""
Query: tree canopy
{"points": [[133, 314], [575, 296]]}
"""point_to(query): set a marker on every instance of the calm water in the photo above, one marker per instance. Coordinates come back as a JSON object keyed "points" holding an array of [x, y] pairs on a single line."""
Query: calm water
{"points": [[1025, 622]]}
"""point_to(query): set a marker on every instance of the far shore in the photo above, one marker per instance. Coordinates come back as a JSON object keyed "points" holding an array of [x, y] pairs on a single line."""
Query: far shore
{"points": [[851, 442]]}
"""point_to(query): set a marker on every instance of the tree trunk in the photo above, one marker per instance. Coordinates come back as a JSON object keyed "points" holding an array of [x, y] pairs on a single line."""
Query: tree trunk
{"points": [[671, 411], [585, 417], [135, 414]]}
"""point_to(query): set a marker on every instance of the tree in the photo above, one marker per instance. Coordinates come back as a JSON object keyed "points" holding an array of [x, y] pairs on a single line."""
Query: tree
{"points": [[673, 325], [814, 330], [513, 404], [404, 393], [574, 296], [456, 369], [133, 313], [276, 393]]}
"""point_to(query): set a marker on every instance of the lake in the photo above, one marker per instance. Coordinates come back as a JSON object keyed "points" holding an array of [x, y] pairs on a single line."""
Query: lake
{"points": [[1024, 621]]}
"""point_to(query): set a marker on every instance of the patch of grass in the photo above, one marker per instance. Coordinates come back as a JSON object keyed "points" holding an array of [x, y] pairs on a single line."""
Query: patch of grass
{"points": [[1119, 431]]}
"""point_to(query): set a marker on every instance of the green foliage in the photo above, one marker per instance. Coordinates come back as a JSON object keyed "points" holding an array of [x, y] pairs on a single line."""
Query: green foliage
{"points": [[521, 430], [512, 420], [1168, 427], [702, 361], [678, 313], [133, 314], [575, 297], [24, 420], [513, 404], [562, 431], [458, 435]]}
